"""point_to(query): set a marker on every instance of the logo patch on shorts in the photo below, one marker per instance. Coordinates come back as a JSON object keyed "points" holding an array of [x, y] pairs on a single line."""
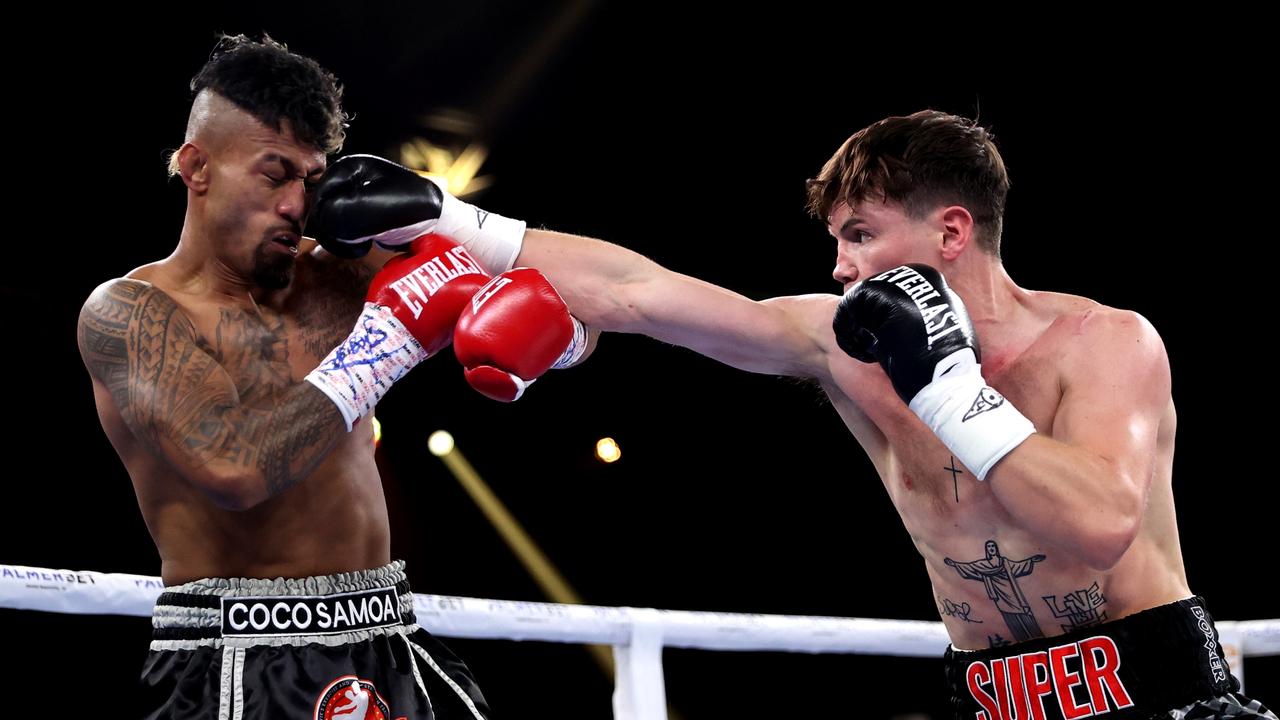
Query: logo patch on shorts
{"points": [[258, 616], [1216, 666], [988, 399], [350, 698]]}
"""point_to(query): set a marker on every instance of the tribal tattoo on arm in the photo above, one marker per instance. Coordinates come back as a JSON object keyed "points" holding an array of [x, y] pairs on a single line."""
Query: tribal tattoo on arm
{"points": [[183, 405]]}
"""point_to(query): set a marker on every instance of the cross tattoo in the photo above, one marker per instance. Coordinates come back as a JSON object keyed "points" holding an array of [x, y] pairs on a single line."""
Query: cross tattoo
{"points": [[955, 471]]}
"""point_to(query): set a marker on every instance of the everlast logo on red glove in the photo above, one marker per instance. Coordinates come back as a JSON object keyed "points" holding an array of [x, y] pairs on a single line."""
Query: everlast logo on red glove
{"points": [[425, 280]]}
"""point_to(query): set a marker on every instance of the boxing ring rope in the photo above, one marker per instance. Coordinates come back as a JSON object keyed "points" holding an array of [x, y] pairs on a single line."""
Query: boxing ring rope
{"points": [[637, 635]]}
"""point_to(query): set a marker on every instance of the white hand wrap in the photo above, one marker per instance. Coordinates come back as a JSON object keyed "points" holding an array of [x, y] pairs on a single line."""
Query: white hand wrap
{"points": [[492, 239], [973, 420], [362, 368], [577, 346]]}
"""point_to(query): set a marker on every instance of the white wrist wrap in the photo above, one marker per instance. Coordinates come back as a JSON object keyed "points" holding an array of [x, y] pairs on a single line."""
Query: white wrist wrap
{"points": [[362, 368], [494, 240], [973, 420], [577, 346]]}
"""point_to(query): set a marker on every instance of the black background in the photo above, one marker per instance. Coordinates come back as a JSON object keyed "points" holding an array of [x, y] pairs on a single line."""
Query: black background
{"points": [[1140, 152]]}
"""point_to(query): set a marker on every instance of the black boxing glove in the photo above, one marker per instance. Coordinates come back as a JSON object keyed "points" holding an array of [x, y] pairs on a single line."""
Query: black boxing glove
{"points": [[910, 322], [363, 199]]}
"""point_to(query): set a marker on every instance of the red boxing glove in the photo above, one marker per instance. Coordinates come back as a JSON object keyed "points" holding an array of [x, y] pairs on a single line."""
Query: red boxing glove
{"points": [[428, 288], [409, 314], [515, 329]]}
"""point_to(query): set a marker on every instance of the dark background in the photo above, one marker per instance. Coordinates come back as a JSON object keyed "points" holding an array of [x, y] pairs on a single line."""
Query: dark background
{"points": [[1140, 153]]}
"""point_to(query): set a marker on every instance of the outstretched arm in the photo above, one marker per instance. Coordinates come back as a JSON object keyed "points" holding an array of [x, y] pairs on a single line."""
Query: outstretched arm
{"points": [[615, 289]]}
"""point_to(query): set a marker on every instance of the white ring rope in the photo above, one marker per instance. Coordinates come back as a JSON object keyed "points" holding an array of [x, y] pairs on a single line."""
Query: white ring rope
{"points": [[88, 592], [637, 635]]}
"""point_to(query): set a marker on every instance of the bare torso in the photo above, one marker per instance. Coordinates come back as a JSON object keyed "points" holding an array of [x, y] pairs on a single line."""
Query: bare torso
{"points": [[1019, 588], [334, 520]]}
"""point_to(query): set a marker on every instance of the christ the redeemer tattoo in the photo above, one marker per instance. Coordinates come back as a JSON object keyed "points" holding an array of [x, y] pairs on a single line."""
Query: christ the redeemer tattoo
{"points": [[999, 574]]}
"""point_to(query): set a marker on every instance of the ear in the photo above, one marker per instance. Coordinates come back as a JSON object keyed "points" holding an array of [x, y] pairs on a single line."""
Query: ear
{"points": [[957, 231], [193, 166]]}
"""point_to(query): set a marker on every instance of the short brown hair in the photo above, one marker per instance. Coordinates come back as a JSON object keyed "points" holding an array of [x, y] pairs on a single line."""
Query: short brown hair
{"points": [[922, 160]]}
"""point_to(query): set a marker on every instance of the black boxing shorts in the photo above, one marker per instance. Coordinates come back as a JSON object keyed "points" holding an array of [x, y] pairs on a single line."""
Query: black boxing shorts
{"points": [[1152, 664], [325, 648]]}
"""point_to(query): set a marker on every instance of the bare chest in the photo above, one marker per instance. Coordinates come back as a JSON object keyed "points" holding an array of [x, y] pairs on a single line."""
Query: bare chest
{"points": [[934, 492], [267, 349]]}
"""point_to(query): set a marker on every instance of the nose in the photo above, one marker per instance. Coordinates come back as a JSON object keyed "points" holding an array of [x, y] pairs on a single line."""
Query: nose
{"points": [[845, 271], [293, 202]]}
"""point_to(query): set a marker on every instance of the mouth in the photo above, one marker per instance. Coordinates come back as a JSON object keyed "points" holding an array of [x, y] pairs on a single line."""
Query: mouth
{"points": [[286, 240]]}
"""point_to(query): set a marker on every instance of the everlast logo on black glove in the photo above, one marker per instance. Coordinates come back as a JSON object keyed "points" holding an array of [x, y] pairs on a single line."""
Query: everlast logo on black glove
{"points": [[921, 291]]}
